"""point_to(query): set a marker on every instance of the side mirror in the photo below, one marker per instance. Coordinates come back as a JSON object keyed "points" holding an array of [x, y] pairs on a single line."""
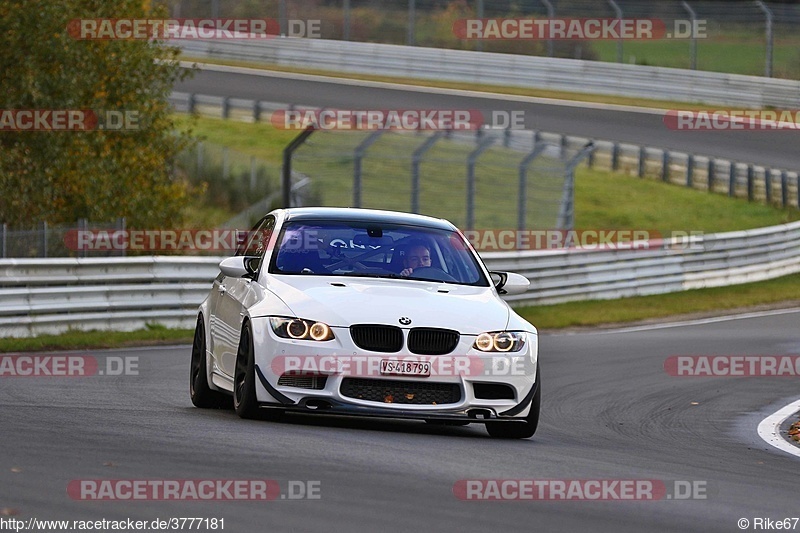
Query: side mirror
{"points": [[237, 267], [510, 283]]}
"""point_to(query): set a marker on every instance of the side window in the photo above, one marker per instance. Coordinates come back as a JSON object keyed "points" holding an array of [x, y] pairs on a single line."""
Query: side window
{"points": [[257, 241]]}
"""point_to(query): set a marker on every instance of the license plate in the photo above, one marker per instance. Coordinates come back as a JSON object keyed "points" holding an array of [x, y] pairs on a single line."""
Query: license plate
{"points": [[405, 368]]}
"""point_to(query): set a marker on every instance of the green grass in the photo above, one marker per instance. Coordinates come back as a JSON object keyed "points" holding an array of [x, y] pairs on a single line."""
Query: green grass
{"points": [[784, 290], [603, 200], [82, 340]]}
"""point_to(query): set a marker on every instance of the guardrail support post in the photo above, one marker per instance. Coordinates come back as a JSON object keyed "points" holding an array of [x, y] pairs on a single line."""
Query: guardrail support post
{"points": [[732, 180], [485, 143], [750, 176], [416, 160], [226, 107], [286, 182], [784, 191], [690, 171], [642, 155], [768, 185], [615, 156]]}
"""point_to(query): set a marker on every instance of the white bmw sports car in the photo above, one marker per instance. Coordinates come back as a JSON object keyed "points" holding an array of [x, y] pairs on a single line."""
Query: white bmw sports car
{"points": [[366, 313]]}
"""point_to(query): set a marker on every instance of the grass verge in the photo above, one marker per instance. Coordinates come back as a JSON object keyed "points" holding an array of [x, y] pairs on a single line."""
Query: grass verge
{"points": [[82, 340], [779, 292]]}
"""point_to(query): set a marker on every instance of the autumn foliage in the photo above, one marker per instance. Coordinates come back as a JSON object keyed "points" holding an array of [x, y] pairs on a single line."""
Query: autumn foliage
{"points": [[60, 176]]}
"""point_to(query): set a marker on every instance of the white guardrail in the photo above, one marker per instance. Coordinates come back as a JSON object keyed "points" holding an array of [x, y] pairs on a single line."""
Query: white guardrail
{"points": [[637, 81], [52, 295]]}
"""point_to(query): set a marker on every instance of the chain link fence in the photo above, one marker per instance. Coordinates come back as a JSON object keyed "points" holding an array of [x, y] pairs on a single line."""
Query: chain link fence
{"points": [[735, 36], [487, 179]]}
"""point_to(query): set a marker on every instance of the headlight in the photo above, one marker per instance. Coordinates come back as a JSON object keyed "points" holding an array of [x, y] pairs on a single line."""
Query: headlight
{"points": [[500, 341], [299, 329]]}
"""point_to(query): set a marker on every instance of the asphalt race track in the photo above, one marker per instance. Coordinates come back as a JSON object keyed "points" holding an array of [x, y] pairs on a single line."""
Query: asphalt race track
{"points": [[610, 411], [775, 149]]}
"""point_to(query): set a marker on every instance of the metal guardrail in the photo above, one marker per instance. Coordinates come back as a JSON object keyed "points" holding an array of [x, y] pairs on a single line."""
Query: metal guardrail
{"points": [[52, 295], [636, 81]]}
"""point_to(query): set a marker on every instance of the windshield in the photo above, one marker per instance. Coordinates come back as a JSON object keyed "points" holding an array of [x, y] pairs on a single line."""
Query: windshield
{"points": [[375, 250]]}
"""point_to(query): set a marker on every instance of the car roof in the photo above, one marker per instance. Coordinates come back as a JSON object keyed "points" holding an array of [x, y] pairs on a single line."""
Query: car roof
{"points": [[353, 214]]}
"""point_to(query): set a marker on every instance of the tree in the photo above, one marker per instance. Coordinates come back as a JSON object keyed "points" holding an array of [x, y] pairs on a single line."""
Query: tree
{"points": [[60, 176]]}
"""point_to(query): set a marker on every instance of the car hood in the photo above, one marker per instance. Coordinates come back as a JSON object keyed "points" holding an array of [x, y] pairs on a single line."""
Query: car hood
{"points": [[343, 301]]}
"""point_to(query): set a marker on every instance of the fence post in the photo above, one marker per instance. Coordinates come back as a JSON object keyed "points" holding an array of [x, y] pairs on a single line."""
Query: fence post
{"points": [[479, 14], [618, 11], [44, 238], [693, 41], [252, 173], [346, 22], [750, 175], [257, 111], [665, 165], [471, 159], [225, 163], [566, 213], [199, 159], [358, 155], [83, 225], [283, 19], [768, 34], [522, 189], [4, 237], [121, 227], [416, 159], [191, 103], [551, 14], [286, 181], [412, 20]]}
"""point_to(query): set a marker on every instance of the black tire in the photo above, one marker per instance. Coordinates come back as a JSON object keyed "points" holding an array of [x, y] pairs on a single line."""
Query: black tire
{"points": [[202, 395], [244, 379], [519, 430]]}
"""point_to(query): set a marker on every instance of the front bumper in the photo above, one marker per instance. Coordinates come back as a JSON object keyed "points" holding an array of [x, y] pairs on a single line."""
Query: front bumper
{"points": [[465, 369]]}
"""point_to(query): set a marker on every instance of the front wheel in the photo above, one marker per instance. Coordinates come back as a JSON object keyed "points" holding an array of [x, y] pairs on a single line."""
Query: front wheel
{"points": [[244, 380], [520, 430], [202, 395]]}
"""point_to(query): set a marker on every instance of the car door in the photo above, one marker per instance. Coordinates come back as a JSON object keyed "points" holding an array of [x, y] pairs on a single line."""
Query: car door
{"points": [[235, 294]]}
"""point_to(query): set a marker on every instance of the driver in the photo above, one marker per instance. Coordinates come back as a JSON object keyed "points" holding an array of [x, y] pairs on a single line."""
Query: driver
{"points": [[417, 256]]}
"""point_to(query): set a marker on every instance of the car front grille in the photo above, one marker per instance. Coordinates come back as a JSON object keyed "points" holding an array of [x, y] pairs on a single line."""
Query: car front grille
{"points": [[377, 338], [404, 392], [302, 381], [431, 341]]}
